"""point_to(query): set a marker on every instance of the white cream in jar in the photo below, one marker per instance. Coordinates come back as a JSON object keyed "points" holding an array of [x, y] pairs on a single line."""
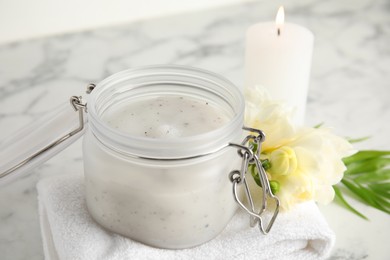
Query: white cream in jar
{"points": [[166, 117], [156, 156]]}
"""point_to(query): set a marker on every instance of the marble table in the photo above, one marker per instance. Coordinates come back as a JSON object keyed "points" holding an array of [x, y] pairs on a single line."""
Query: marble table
{"points": [[349, 90]]}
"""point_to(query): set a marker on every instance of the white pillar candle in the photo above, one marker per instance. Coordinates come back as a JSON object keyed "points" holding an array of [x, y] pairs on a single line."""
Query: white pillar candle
{"points": [[278, 57]]}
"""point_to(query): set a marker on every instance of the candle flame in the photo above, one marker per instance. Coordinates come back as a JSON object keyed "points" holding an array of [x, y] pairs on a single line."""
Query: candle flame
{"points": [[280, 16]]}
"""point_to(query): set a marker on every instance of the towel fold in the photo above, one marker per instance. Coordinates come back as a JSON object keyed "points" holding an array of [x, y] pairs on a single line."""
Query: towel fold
{"points": [[69, 232]]}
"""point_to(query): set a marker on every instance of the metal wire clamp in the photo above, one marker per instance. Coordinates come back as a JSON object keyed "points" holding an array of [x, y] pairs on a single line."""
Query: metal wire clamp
{"points": [[250, 155], [79, 107]]}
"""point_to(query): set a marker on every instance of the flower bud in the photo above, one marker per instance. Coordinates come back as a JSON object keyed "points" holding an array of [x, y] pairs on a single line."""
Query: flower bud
{"points": [[283, 161], [275, 186]]}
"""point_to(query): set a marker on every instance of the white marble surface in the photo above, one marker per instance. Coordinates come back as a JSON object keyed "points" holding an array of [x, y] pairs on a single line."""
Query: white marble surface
{"points": [[349, 90]]}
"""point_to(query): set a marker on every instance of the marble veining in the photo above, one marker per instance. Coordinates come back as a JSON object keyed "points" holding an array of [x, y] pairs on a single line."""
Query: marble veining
{"points": [[349, 90]]}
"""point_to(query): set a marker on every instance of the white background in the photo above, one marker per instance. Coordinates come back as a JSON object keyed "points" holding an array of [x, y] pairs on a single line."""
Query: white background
{"points": [[24, 19]]}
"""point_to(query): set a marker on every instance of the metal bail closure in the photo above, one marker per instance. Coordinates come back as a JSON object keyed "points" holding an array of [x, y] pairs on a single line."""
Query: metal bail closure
{"points": [[43, 149], [249, 150]]}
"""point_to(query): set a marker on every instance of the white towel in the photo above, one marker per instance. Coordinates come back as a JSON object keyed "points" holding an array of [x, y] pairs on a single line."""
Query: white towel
{"points": [[69, 232]]}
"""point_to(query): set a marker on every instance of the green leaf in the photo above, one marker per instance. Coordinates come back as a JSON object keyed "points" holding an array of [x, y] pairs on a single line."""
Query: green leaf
{"points": [[361, 193], [368, 196], [318, 125], [344, 203], [358, 140], [382, 202], [364, 155], [367, 165], [382, 190], [373, 176], [368, 176]]}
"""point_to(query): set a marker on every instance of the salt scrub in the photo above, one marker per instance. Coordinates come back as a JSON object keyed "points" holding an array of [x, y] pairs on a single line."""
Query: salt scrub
{"points": [[169, 204], [166, 117]]}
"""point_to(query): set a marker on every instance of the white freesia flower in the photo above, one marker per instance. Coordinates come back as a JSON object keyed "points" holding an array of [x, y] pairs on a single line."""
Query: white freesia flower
{"points": [[305, 162], [271, 115]]}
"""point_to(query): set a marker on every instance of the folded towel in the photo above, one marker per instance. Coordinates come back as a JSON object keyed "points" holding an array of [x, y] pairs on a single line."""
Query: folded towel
{"points": [[69, 232]]}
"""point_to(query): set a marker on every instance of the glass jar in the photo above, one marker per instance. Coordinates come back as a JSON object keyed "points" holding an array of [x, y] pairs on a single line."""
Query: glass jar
{"points": [[161, 152], [169, 191]]}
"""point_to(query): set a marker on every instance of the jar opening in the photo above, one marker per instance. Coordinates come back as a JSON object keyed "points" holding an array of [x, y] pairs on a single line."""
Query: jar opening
{"points": [[166, 112]]}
